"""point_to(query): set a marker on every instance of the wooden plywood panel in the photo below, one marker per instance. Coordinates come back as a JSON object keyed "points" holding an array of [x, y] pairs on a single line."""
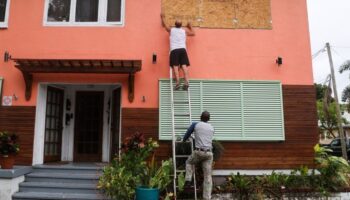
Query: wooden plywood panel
{"points": [[184, 10], [217, 14], [253, 14], [244, 14]]}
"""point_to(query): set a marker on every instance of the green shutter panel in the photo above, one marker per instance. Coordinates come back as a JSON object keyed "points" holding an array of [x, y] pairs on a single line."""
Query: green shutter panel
{"points": [[262, 110], [240, 110]]}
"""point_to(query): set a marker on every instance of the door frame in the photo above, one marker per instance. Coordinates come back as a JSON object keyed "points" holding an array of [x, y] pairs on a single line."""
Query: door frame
{"points": [[67, 151]]}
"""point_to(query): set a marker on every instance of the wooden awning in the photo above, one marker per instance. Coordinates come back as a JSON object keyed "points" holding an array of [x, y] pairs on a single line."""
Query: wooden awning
{"points": [[30, 66]]}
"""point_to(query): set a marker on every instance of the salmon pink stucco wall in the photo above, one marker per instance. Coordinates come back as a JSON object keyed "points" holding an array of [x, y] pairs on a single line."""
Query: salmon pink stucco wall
{"points": [[214, 53]]}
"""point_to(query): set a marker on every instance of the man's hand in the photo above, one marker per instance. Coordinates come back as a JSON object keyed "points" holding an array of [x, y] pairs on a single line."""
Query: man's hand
{"points": [[162, 16], [190, 31]]}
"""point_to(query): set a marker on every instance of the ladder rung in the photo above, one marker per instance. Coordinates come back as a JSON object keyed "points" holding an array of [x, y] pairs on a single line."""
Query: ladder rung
{"points": [[180, 170]]}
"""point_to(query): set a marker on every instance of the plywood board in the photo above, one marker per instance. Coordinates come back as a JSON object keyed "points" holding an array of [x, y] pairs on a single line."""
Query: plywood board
{"points": [[217, 14], [244, 14], [184, 10], [253, 14]]}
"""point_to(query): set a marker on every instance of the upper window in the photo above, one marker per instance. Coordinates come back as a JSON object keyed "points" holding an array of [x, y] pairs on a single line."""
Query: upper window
{"points": [[84, 12], [4, 12]]}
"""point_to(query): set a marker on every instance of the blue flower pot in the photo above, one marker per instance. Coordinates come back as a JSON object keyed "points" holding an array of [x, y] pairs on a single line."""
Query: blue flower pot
{"points": [[145, 193]]}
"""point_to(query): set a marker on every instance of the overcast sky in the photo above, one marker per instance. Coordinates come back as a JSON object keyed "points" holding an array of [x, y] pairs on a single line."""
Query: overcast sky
{"points": [[329, 21]]}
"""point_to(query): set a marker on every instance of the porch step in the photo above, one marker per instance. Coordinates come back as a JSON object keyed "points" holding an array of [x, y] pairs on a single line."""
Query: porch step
{"points": [[55, 187], [62, 177], [68, 181], [49, 195], [68, 169]]}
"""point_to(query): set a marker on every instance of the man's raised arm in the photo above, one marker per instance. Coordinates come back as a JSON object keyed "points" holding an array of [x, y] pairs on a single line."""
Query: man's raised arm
{"points": [[189, 30], [167, 28]]}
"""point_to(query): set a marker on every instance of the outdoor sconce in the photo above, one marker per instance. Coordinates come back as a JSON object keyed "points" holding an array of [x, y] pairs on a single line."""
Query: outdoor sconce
{"points": [[15, 97], [68, 104], [143, 99], [7, 56], [154, 58], [279, 61]]}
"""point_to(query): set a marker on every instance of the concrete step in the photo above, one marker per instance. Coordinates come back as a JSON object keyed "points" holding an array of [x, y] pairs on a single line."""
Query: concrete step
{"points": [[54, 187], [48, 195], [68, 169], [62, 177]]}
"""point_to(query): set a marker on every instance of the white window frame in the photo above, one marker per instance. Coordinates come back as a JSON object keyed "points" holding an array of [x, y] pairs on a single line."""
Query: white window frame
{"points": [[4, 24], [101, 19]]}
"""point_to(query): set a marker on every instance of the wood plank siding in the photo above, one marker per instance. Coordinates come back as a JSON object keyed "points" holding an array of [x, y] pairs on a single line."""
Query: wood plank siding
{"points": [[20, 120], [300, 129]]}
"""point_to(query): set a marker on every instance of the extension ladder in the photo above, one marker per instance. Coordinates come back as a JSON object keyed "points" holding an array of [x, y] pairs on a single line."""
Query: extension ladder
{"points": [[180, 130]]}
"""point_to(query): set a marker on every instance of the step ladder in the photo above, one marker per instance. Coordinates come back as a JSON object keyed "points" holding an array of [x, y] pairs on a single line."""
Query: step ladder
{"points": [[180, 131]]}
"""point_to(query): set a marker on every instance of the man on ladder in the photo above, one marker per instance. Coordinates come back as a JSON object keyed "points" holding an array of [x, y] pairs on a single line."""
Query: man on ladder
{"points": [[203, 136], [178, 53]]}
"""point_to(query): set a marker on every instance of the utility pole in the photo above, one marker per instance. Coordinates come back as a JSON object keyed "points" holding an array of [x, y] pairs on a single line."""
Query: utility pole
{"points": [[339, 117]]}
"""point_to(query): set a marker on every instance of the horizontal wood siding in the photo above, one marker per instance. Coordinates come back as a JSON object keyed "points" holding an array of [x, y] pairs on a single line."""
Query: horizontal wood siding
{"points": [[300, 131], [20, 120]]}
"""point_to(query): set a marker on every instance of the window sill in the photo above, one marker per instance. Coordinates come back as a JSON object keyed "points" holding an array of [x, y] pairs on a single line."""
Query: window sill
{"points": [[88, 24]]}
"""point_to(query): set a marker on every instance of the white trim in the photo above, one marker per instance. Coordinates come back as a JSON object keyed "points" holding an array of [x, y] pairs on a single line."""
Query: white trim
{"points": [[102, 16], [1, 80], [39, 130], [4, 24], [68, 131], [221, 172]]}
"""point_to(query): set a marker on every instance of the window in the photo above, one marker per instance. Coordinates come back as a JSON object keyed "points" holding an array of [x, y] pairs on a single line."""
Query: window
{"points": [[240, 110], [4, 12], [84, 12]]}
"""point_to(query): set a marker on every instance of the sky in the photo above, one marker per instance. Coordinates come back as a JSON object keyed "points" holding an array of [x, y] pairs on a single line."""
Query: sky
{"points": [[329, 21]]}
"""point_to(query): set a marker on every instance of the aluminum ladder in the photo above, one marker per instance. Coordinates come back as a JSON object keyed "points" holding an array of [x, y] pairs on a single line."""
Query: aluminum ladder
{"points": [[180, 131]]}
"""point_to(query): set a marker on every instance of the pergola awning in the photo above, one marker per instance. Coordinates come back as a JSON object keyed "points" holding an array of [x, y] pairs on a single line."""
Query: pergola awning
{"points": [[96, 66]]}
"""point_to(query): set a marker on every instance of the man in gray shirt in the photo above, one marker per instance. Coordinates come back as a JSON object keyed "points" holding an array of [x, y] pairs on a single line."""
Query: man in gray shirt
{"points": [[203, 135]]}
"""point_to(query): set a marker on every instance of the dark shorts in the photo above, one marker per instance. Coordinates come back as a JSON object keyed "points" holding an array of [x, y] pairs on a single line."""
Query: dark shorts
{"points": [[178, 57]]}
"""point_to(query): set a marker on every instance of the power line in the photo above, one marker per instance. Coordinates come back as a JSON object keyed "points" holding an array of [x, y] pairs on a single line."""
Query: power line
{"points": [[336, 52], [342, 47], [318, 53]]}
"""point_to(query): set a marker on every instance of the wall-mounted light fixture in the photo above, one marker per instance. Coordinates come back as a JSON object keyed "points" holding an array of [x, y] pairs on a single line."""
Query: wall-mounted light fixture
{"points": [[7, 56], [143, 99], [154, 58], [15, 97], [279, 61]]}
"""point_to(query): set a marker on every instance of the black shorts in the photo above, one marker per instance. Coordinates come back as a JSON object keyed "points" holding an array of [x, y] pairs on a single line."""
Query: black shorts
{"points": [[178, 57]]}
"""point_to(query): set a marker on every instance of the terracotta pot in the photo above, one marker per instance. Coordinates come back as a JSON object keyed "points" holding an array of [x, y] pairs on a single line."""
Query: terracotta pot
{"points": [[7, 161]]}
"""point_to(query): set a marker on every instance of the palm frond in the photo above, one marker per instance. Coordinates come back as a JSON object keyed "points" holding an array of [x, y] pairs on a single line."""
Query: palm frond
{"points": [[345, 66], [346, 94]]}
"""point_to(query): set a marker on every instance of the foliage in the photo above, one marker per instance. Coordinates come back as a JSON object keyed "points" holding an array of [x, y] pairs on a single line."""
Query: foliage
{"points": [[135, 168], [321, 91], [346, 92], [8, 143], [331, 174], [334, 170], [328, 118], [218, 150]]}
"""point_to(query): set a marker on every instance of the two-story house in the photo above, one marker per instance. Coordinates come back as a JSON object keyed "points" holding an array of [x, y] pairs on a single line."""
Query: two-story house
{"points": [[78, 76]]}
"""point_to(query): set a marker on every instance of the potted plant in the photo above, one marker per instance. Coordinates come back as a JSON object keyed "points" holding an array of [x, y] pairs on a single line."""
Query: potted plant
{"points": [[136, 172], [8, 149]]}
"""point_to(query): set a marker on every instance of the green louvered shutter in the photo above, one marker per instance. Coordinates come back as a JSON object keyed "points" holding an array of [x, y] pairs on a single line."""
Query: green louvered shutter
{"points": [[262, 111], [240, 110]]}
